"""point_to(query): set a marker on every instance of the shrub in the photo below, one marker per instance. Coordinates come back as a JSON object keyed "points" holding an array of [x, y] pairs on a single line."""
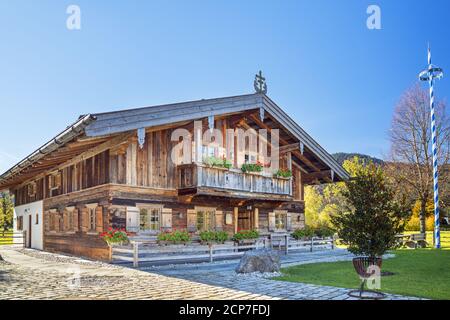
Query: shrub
{"points": [[207, 236], [284, 173], [309, 232], [217, 162], [246, 234], [252, 167], [221, 236], [306, 232], [324, 232], [176, 236], [115, 236], [213, 236]]}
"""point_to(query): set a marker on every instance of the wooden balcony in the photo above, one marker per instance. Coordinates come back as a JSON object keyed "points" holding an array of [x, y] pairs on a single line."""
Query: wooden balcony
{"points": [[234, 181]]}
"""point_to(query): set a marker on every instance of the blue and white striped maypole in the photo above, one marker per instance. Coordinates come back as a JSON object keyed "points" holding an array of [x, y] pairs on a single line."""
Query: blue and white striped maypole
{"points": [[429, 75]]}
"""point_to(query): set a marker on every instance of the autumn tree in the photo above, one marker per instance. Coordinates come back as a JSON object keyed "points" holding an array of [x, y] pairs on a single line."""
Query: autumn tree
{"points": [[411, 163]]}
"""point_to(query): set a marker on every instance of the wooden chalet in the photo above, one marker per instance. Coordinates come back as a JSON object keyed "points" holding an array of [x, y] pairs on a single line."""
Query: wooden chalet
{"points": [[115, 170]]}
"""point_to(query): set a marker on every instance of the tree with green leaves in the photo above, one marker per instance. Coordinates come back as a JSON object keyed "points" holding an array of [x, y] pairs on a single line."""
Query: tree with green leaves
{"points": [[6, 211], [372, 217], [325, 201]]}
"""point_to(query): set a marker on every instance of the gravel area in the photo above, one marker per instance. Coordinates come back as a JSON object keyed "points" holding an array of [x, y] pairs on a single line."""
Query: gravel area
{"points": [[62, 258]]}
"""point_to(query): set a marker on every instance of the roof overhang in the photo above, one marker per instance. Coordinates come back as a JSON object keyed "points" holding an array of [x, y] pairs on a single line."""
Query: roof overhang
{"points": [[59, 141]]}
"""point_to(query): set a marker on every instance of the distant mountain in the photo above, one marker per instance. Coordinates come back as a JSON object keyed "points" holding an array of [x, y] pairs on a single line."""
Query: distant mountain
{"points": [[342, 156]]}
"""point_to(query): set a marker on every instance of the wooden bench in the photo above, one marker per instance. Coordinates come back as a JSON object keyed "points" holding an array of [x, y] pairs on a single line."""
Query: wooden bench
{"points": [[414, 241]]}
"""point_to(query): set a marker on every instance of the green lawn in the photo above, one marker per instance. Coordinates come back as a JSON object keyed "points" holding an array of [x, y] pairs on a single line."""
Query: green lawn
{"points": [[420, 272]]}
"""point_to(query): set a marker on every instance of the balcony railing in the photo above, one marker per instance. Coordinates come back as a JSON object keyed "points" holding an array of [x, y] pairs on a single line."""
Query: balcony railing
{"points": [[193, 176]]}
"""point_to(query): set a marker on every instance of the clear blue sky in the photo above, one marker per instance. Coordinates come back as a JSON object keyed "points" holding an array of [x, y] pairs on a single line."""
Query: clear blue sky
{"points": [[337, 79]]}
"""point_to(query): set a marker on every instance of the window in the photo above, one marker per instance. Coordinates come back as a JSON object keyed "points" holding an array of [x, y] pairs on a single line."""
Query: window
{"points": [[92, 219], [280, 220], [213, 151], [209, 151], [32, 189], [54, 181], [150, 219], [37, 218], [206, 219], [20, 223]]}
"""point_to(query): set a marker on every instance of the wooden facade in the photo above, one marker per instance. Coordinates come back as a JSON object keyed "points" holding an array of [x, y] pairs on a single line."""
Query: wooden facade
{"points": [[115, 180]]}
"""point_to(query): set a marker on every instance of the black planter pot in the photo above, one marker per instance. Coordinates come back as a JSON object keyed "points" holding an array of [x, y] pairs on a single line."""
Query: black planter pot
{"points": [[361, 265]]}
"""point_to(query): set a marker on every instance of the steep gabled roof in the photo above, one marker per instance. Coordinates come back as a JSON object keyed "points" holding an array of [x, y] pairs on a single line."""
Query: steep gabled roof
{"points": [[104, 124], [120, 121], [124, 120]]}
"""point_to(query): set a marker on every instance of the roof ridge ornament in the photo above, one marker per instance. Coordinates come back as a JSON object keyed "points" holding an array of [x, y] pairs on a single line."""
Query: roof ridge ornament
{"points": [[260, 83]]}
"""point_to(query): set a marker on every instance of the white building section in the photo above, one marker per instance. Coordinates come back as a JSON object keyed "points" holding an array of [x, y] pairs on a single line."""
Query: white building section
{"points": [[30, 218]]}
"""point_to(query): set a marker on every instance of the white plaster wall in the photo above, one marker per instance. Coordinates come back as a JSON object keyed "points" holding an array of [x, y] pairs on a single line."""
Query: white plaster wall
{"points": [[36, 229]]}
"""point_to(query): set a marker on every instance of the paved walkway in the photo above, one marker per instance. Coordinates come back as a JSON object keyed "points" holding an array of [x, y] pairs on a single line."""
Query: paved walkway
{"points": [[30, 274], [222, 274]]}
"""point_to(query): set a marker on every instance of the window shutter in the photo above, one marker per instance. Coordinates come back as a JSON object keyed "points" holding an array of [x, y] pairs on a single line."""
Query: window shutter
{"points": [[57, 222], [192, 220], [271, 221], [65, 220], [99, 219], [132, 222], [46, 221], [166, 219], [219, 220], [289, 221], [75, 219], [84, 220], [51, 220]]}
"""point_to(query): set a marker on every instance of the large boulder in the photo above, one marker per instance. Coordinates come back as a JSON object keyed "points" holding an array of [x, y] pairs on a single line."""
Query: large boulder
{"points": [[261, 260]]}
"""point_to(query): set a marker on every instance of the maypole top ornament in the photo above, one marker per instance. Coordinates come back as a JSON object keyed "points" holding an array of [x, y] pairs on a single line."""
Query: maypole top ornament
{"points": [[432, 72], [260, 83]]}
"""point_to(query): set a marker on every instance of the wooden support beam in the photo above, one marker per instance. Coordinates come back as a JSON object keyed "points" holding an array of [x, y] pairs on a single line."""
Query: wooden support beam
{"points": [[297, 153], [235, 119], [289, 148], [236, 217], [256, 219], [295, 164], [325, 175]]}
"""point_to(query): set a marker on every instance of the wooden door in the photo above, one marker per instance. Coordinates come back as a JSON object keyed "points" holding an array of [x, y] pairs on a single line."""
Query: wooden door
{"points": [[30, 226], [245, 220]]}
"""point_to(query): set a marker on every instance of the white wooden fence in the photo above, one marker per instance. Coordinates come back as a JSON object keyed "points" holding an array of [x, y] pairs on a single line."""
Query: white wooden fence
{"points": [[140, 252], [287, 243], [13, 238]]}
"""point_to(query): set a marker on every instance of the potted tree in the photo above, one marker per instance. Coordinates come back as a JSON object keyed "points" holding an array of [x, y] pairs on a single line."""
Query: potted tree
{"points": [[371, 222]]}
